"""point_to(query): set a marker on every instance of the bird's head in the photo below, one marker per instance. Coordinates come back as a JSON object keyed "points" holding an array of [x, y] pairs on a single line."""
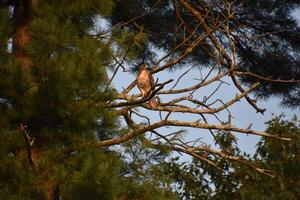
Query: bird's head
{"points": [[143, 67]]}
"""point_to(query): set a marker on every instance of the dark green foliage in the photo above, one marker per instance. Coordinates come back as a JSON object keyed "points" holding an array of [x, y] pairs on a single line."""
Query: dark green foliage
{"points": [[68, 68], [61, 99], [283, 158], [15, 181], [277, 54], [93, 178], [201, 181], [63, 91], [190, 181]]}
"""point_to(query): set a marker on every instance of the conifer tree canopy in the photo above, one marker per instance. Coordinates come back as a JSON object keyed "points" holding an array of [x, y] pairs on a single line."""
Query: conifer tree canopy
{"points": [[52, 92]]}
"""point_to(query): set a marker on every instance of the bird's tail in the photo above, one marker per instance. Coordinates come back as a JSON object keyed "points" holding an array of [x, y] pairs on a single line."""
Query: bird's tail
{"points": [[153, 103]]}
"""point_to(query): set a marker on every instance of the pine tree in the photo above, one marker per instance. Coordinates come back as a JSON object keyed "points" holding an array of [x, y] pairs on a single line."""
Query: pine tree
{"points": [[53, 94], [52, 75]]}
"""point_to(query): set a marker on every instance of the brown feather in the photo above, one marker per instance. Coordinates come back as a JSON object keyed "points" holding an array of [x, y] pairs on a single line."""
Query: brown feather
{"points": [[145, 83]]}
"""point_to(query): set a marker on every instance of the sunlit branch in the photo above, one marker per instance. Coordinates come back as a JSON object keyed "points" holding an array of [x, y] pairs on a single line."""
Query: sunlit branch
{"points": [[175, 123], [207, 111], [139, 101]]}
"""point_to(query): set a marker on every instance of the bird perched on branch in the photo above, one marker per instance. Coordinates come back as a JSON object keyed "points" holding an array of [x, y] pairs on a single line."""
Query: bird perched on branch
{"points": [[145, 84]]}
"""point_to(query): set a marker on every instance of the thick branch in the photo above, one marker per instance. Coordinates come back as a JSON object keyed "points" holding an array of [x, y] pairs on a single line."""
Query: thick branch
{"points": [[29, 143], [174, 123], [140, 101], [269, 79]]}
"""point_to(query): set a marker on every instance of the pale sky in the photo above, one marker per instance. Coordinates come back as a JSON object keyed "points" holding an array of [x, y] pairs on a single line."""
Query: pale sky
{"points": [[242, 112]]}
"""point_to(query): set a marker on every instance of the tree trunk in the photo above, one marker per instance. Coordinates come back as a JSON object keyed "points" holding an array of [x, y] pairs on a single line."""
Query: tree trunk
{"points": [[52, 192], [23, 14]]}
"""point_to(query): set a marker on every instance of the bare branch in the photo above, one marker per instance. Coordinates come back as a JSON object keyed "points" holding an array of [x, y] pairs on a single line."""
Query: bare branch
{"points": [[210, 110], [144, 129], [269, 79], [140, 101], [29, 143]]}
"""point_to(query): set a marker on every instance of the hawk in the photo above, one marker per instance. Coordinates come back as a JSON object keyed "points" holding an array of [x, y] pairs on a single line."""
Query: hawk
{"points": [[145, 84]]}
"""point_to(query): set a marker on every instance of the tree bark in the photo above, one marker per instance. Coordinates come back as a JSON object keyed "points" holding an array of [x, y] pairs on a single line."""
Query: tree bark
{"points": [[52, 192], [23, 15]]}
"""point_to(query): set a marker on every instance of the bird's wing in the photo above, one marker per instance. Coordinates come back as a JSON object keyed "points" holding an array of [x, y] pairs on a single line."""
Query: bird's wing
{"points": [[141, 81], [151, 79]]}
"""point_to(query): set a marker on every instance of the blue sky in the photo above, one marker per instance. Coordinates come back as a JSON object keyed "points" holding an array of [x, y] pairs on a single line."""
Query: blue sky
{"points": [[242, 112]]}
